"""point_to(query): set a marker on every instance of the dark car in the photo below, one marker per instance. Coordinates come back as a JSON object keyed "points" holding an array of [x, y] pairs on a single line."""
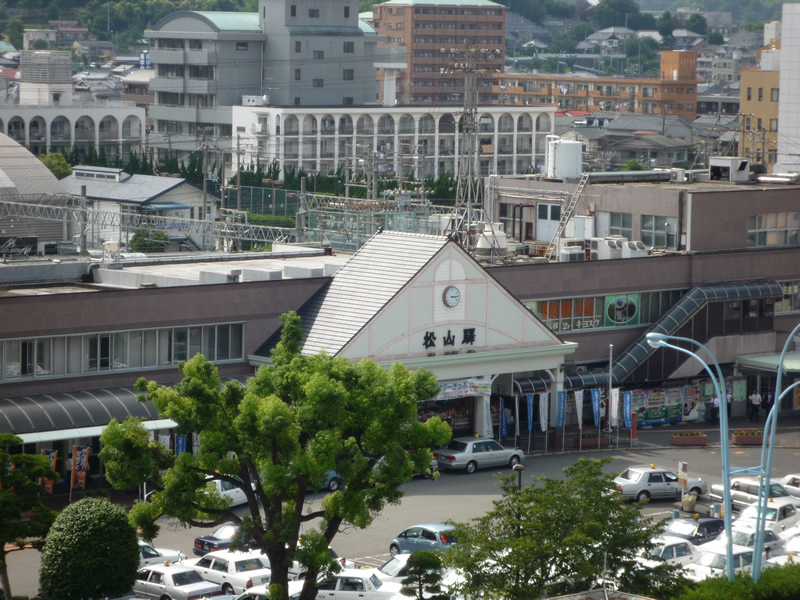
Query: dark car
{"points": [[220, 539], [698, 531]]}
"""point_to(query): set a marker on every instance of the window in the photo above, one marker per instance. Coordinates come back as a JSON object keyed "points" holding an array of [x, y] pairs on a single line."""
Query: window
{"points": [[293, 11], [760, 94], [772, 155], [347, 75], [241, 46], [621, 224], [773, 124], [773, 229], [758, 124], [297, 74], [195, 44], [398, 26], [297, 101], [313, 13], [347, 101], [319, 54], [349, 47], [318, 83], [749, 94], [774, 95], [659, 232], [346, 12], [298, 46]]}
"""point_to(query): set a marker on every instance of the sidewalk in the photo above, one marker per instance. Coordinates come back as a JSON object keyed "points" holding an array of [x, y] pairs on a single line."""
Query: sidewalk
{"points": [[660, 436]]}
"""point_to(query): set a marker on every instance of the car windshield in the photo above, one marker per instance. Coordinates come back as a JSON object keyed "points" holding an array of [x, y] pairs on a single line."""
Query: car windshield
{"points": [[655, 552], [681, 528], [375, 581], [186, 578], [457, 446], [752, 512], [391, 567], [250, 564], [741, 538], [630, 475], [226, 532], [712, 559]]}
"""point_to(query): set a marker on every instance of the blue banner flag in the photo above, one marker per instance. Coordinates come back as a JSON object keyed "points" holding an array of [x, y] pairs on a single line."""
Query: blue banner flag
{"points": [[503, 429], [596, 407], [180, 443], [530, 413], [627, 409], [561, 409]]}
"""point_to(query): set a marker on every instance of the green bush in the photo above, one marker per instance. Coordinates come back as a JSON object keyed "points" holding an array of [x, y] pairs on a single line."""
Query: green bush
{"points": [[777, 583], [91, 552]]}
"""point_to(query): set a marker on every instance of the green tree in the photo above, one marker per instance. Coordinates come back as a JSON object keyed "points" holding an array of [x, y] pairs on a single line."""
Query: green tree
{"points": [[697, 23], [91, 552], [22, 514], [715, 39], [632, 165], [14, 30], [664, 24], [149, 240], [555, 535], [424, 579], [610, 13], [293, 423], [57, 163]]}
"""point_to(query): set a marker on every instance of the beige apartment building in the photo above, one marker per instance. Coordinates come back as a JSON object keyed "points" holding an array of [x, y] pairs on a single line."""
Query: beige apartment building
{"points": [[437, 33], [760, 95]]}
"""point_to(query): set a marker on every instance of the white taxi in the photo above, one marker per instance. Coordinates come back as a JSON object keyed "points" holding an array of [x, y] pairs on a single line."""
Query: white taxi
{"points": [[236, 572]]}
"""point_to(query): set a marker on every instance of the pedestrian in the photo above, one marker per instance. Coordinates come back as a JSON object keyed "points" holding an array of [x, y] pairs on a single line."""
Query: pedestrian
{"points": [[755, 406], [765, 556], [715, 409], [770, 402], [730, 403]]}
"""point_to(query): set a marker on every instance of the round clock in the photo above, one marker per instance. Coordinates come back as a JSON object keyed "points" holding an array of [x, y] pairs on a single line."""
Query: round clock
{"points": [[451, 296]]}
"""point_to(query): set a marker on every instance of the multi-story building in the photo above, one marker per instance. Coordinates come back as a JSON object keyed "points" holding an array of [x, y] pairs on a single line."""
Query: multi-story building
{"points": [[511, 139], [46, 119], [760, 101], [436, 35], [675, 93]]}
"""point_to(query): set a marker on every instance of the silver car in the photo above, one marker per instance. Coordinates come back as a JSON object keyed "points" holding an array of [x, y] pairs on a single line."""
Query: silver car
{"points": [[150, 556], [234, 571], [644, 483], [172, 581], [470, 454]]}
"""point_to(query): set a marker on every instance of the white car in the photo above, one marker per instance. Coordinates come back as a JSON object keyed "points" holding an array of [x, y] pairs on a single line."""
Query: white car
{"points": [[175, 582], [791, 483], [712, 562], [745, 536], [782, 513], [151, 556], [791, 553], [672, 550], [350, 583], [236, 572], [393, 570], [651, 482]]}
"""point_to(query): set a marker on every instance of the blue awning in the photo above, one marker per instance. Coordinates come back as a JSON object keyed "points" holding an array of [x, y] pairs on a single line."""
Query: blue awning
{"points": [[165, 206]]}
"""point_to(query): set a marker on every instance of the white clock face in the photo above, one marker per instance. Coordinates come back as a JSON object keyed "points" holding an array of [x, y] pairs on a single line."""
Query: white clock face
{"points": [[451, 296]]}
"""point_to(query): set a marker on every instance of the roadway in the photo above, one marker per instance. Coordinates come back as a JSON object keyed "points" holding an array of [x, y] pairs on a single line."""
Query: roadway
{"points": [[459, 497]]}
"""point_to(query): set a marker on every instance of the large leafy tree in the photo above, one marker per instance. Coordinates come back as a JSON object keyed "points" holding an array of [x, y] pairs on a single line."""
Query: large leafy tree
{"points": [[556, 535], [293, 423], [608, 13], [22, 514], [91, 552]]}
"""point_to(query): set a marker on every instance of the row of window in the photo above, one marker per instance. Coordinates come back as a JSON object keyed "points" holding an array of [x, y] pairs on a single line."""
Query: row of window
{"points": [[790, 302], [313, 13], [773, 229], [347, 75], [118, 351], [773, 124], [441, 11], [656, 231], [774, 94], [679, 106]]}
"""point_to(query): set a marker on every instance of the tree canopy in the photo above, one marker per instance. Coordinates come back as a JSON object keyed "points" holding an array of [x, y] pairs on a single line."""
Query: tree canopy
{"points": [[91, 552], [556, 536], [22, 514], [294, 422], [57, 163]]}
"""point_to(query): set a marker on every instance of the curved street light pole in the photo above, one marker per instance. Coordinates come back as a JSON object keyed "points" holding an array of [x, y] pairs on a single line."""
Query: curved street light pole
{"points": [[659, 340]]}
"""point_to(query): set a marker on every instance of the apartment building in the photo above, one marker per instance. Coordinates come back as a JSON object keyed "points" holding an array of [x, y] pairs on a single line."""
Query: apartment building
{"points": [[760, 96], [436, 35], [674, 94]]}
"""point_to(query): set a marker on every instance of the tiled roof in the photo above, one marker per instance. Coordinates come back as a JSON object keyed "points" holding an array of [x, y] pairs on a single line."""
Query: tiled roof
{"points": [[139, 76], [362, 287], [231, 21], [135, 188]]}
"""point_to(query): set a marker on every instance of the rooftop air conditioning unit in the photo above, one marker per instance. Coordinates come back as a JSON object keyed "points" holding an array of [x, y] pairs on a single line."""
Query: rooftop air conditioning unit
{"points": [[603, 249], [635, 249], [572, 254], [677, 175]]}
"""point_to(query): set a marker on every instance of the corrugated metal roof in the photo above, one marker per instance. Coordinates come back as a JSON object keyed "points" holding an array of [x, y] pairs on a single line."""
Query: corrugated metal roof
{"points": [[139, 76], [231, 21], [362, 287], [22, 173], [137, 188]]}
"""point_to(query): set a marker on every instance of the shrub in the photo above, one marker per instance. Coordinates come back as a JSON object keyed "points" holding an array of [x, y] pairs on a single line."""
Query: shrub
{"points": [[749, 432], [91, 552], [689, 433]]}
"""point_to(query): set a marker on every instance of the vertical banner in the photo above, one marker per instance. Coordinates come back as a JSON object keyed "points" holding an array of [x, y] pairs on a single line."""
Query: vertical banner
{"points": [[48, 483], [80, 465], [596, 407], [579, 407], [503, 429], [615, 407], [530, 412], [180, 443], [544, 409], [627, 409], [561, 409]]}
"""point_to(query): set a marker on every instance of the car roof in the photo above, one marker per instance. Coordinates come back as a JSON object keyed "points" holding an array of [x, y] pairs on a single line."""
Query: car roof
{"points": [[433, 526], [170, 568], [648, 468], [773, 502], [230, 554], [672, 539]]}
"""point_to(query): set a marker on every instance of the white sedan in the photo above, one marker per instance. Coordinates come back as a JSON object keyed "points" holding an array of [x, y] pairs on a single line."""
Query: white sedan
{"points": [[791, 484], [712, 562], [672, 550], [349, 584], [151, 556], [781, 514], [745, 536], [236, 572], [175, 582]]}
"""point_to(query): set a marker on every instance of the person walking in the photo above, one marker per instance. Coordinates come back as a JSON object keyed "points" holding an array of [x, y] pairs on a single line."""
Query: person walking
{"points": [[755, 406], [730, 403], [715, 409], [769, 403]]}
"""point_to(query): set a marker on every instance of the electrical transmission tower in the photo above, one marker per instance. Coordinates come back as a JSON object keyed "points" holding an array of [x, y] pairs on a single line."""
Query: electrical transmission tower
{"points": [[469, 192]]}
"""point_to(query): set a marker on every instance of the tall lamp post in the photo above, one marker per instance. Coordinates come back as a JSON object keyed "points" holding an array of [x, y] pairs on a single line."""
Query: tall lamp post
{"points": [[518, 469], [659, 340]]}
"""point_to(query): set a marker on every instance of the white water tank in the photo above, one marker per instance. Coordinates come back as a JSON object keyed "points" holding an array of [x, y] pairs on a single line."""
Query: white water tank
{"points": [[492, 242], [564, 158]]}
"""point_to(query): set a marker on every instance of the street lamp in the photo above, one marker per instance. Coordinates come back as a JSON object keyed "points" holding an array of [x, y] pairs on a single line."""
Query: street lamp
{"points": [[518, 469], [274, 182], [659, 340]]}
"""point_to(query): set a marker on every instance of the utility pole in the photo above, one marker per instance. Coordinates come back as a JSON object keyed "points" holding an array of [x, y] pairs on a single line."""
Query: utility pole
{"points": [[238, 173], [204, 145]]}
